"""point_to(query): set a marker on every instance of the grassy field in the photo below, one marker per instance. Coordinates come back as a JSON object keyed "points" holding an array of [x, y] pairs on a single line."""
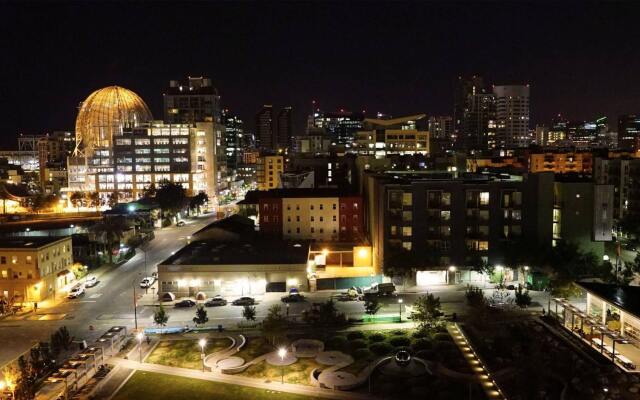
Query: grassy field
{"points": [[184, 353], [255, 347], [297, 372], [149, 385]]}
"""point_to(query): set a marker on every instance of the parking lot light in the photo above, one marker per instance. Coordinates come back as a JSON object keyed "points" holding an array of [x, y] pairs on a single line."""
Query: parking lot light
{"points": [[282, 352]]}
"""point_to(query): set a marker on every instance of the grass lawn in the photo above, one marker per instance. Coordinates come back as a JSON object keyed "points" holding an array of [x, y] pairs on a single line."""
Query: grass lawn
{"points": [[150, 385], [184, 353], [297, 372], [255, 347]]}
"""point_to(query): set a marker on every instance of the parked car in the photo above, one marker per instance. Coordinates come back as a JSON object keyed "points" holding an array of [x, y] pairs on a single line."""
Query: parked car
{"points": [[76, 291], [90, 282], [292, 298], [146, 283], [244, 301], [185, 303], [381, 289], [215, 301], [630, 247], [181, 223]]}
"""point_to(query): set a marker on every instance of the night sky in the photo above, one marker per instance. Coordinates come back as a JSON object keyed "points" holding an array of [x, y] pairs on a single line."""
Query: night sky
{"points": [[581, 59]]}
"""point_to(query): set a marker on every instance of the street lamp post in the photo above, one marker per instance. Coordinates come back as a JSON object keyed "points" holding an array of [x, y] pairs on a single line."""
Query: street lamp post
{"points": [[400, 308], [140, 336], [135, 310], [282, 352], [202, 343]]}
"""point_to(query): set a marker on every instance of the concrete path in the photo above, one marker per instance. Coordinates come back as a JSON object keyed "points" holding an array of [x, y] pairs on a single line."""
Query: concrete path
{"points": [[240, 380]]}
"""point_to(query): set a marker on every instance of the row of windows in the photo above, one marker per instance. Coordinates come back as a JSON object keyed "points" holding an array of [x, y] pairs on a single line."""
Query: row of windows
{"points": [[334, 206], [439, 199], [343, 218], [321, 230], [147, 141]]}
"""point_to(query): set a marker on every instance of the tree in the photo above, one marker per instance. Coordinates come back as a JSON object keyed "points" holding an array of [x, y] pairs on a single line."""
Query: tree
{"points": [[480, 264], [201, 316], [65, 337], [149, 191], [171, 197], [114, 199], [94, 200], [111, 231], [372, 305], [249, 313], [523, 300], [475, 297], [198, 201], [77, 198], [41, 202], [274, 323], [426, 310], [160, 317]]}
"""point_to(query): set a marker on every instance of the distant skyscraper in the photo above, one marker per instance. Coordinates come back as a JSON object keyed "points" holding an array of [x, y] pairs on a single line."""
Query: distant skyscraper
{"points": [[233, 137], [285, 128], [264, 128], [512, 116], [474, 115], [341, 126], [193, 101], [440, 127], [628, 131]]}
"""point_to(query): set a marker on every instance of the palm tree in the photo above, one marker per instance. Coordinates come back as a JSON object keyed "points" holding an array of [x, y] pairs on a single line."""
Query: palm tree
{"points": [[111, 231]]}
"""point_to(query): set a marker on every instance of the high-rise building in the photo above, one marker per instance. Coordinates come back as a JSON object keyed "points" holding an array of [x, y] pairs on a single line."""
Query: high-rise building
{"points": [[264, 128], [193, 101], [441, 127], [512, 116], [474, 115], [284, 135], [233, 138], [269, 169], [341, 126], [629, 132]]}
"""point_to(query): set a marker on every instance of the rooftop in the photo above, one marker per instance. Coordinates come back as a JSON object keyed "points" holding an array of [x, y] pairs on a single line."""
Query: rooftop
{"points": [[624, 297], [260, 251], [234, 223], [28, 242], [253, 196]]}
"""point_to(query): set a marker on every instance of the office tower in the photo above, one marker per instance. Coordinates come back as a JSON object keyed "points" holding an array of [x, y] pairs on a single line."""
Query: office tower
{"points": [[284, 135], [193, 101], [440, 127], [474, 115], [382, 137], [264, 128], [341, 126], [233, 138], [629, 132], [512, 116]]}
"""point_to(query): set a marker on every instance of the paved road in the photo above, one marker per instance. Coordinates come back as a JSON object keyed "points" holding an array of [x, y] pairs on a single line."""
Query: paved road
{"points": [[107, 304]]}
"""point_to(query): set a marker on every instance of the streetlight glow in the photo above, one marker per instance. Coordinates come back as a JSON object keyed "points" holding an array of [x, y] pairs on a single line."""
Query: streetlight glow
{"points": [[325, 252], [202, 343], [282, 352]]}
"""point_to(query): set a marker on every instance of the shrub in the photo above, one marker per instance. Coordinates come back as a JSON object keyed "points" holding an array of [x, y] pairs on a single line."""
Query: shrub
{"points": [[442, 337], [361, 354], [355, 335], [422, 344], [398, 341], [337, 343], [381, 348], [399, 332], [421, 333], [427, 355], [358, 344], [444, 346], [376, 337]]}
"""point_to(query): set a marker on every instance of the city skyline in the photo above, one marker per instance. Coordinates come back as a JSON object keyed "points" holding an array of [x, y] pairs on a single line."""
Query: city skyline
{"points": [[398, 60]]}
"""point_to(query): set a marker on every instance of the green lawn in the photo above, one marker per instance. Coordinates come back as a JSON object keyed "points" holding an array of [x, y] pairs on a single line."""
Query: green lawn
{"points": [[184, 353], [297, 372], [150, 385], [255, 347]]}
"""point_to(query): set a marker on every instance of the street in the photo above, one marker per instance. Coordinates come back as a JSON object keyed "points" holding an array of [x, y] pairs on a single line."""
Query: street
{"points": [[108, 303]]}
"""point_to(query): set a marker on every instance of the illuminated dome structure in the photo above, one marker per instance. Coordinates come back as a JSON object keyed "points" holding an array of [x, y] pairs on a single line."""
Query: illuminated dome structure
{"points": [[104, 114]]}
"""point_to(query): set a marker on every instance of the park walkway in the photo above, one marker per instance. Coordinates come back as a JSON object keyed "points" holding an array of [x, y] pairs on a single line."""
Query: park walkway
{"points": [[239, 380]]}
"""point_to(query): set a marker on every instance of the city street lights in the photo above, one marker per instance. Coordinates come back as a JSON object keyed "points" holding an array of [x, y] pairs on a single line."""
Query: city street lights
{"points": [[400, 308], [282, 352], [202, 343], [140, 336], [135, 310]]}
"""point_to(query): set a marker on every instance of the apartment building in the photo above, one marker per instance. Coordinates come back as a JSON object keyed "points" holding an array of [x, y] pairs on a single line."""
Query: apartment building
{"points": [[269, 168], [380, 137], [561, 162], [34, 268]]}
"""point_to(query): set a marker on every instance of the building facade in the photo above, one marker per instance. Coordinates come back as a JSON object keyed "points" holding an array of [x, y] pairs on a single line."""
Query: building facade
{"points": [[512, 116], [284, 134], [629, 132], [561, 162], [269, 168], [35, 268], [382, 137], [341, 126], [474, 115], [195, 100], [233, 140], [265, 128]]}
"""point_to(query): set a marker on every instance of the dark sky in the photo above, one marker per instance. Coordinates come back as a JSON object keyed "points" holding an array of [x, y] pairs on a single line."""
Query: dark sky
{"points": [[581, 59]]}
